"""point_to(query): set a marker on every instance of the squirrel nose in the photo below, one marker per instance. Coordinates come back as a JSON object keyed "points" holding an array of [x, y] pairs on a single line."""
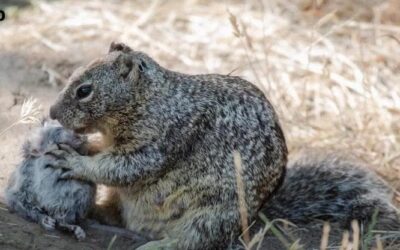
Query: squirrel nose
{"points": [[53, 113]]}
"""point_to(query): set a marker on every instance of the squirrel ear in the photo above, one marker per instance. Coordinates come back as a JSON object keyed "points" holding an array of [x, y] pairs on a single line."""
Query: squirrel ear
{"points": [[125, 65], [119, 47]]}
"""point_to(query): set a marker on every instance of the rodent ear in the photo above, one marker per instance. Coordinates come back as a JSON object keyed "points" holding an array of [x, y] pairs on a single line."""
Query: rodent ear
{"points": [[125, 65], [119, 47]]}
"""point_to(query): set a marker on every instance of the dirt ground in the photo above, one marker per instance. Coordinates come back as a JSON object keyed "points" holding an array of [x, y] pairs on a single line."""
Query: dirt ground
{"points": [[16, 233]]}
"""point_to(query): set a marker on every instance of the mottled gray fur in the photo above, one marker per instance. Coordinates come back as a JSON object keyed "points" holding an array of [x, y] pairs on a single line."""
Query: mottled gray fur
{"points": [[328, 187], [171, 140], [36, 190]]}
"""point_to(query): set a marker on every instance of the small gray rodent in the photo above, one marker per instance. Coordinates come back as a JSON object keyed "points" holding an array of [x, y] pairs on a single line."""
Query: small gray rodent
{"points": [[35, 190]]}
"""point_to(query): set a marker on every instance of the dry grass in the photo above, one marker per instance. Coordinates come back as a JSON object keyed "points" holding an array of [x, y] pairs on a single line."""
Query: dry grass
{"points": [[334, 79], [379, 245], [241, 197], [325, 236], [29, 114], [345, 241], [356, 234], [331, 68]]}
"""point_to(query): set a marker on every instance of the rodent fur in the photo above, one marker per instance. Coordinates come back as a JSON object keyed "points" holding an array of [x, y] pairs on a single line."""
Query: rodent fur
{"points": [[36, 189]]}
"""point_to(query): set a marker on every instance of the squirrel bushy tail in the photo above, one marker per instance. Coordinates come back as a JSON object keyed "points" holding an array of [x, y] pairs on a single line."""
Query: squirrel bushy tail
{"points": [[335, 189]]}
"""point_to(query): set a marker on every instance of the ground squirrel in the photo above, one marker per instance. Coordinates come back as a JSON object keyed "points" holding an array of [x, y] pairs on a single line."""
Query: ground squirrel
{"points": [[172, 138], [36, 190]]}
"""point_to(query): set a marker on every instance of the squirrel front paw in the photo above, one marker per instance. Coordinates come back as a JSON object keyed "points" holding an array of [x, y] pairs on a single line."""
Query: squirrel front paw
{"points": [[68, 159]]}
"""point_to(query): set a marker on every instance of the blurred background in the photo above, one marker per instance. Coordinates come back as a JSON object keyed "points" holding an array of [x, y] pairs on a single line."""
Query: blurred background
{"points": [[331, 68]]}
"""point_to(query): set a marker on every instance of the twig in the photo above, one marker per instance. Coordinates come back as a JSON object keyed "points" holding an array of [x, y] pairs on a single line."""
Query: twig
{"points": [[325, 236], [241, 197], [356, 234]]}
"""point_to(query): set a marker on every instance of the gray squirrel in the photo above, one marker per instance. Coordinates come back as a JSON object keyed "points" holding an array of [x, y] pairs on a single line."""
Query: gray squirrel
{"points": [[170, 161], [36, 190]]}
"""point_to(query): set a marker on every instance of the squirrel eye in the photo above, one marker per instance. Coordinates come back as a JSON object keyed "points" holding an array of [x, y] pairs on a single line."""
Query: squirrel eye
{"points": [[84, 91], [142, 65]]}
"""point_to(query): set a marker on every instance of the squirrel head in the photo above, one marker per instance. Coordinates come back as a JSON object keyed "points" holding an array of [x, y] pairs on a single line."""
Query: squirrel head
{"points": [[107, 88]]}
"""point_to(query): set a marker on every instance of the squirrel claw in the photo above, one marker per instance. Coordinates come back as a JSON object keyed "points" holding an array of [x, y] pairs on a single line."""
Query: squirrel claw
{"points": [[58, 154], [55, 162], [67, 148], [68, 175]]}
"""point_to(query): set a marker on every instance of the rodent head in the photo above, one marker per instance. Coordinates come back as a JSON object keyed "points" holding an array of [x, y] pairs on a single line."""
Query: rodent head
{"points": [[46, 138], [103, 89]]}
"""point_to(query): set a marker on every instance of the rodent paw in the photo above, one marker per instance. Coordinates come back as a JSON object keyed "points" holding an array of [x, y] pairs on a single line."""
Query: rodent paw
{"points": [[69, 174], [58, 163], [67, 148], [48, 223], [63, 151], [79, 233], [58, 154], [67, 158]]}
